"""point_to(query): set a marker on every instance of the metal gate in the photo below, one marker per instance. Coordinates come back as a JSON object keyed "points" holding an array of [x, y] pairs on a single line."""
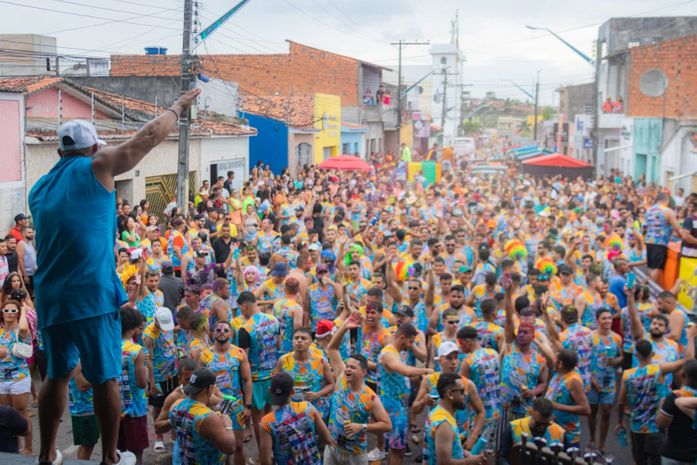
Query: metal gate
{"points": [[160, 190]]}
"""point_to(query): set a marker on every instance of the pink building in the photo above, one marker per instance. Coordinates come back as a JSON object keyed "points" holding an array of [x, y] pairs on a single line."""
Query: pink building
{"points": [[31, 109]]}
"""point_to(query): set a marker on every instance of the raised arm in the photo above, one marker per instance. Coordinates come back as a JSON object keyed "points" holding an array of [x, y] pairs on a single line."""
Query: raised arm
{"points": [[636, 327], [112, 161]]}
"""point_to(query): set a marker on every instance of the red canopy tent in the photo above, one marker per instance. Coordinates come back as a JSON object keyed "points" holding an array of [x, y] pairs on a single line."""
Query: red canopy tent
{"points": [[346, 163], [557, 164]]}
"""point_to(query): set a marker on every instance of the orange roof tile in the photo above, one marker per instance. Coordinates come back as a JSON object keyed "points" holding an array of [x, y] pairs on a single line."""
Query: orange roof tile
{"points": [[27, 84], [298, 110]]}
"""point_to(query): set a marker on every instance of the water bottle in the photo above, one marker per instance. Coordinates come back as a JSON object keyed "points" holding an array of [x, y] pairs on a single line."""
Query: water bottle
{"points": [[227, 404], [622, 437], [479, 446]]}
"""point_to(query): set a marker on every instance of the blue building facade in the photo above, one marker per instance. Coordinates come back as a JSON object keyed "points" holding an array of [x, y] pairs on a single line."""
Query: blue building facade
{"points": [[352, 139], [270, 146]]}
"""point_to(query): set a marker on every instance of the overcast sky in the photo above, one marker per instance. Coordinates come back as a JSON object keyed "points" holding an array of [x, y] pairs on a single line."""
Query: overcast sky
{"points": [[497, 46]]}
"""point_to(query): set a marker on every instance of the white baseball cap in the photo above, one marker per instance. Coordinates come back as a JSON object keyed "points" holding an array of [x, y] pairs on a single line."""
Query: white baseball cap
{"points": [[163, 315], [447, 348], [77, 134]]}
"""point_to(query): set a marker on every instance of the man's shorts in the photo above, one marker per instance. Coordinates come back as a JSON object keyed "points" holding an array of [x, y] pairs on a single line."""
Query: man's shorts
{"points": [[133, 434], [646, 448], [165, 388], [94, 342], [260, 393], [15, 388], [85, 430], [399, 414], [656, 256], [600, 398]]}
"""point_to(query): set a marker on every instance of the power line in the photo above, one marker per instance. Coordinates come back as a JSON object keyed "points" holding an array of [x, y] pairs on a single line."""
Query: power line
{"points": [[69, 13], [103, 8]]}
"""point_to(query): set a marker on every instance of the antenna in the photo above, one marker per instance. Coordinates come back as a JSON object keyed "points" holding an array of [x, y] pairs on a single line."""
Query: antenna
{"points": [[653, 83]]}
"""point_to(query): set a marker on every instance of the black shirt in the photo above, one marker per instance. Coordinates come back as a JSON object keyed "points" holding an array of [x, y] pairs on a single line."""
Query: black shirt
{"points": [[173, 291], [681, 440], [689, 250], [221, 248], [12, 261], [12, 424]]}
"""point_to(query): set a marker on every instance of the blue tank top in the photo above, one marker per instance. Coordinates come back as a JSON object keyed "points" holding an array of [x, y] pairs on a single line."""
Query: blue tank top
{"points": [[76, 269], [658, 230]]}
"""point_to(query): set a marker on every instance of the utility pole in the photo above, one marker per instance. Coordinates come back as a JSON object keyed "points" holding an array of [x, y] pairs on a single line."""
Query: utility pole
{"points": [[537, 100], [187, 83], [400, 45]]}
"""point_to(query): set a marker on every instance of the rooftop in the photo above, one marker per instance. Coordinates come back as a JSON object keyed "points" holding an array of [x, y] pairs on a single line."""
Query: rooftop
{"points": [[28, 84], [298, 110]]}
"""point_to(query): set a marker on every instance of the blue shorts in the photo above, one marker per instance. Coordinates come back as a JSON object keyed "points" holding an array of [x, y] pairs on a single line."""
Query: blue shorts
{"points": [[603, 398], [94, 342], [261, 394], [399, 414]]}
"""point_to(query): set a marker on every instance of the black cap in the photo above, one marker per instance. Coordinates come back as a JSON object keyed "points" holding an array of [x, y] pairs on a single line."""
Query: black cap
{"points": [[167, 267], [20, 217], [405, 310], [200, 379], [565, 269], [281, 387]]}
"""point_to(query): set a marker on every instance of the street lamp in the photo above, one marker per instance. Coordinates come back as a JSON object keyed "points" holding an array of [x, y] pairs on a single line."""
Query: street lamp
{"points": [[588, 59]]}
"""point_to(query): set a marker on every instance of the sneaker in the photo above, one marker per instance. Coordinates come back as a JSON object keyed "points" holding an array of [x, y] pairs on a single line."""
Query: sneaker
{"points": [[57, 461], [376, 455], [126, 458], [407, 451], [159, 446]]}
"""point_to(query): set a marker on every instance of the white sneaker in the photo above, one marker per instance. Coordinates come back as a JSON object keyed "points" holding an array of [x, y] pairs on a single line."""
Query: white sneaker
{"points": [[57, 461], [159, 446], [376, 455], [126, 458]]}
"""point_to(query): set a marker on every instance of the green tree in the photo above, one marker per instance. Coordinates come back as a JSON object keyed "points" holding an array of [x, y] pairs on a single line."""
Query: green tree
{"points": [[547, 113], [471, 127]]}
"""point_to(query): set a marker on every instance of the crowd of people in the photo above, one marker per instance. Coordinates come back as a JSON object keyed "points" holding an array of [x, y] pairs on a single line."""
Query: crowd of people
{"points": [[310, 313]]}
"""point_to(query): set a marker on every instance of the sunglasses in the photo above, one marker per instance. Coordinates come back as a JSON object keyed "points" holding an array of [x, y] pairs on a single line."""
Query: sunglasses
{"points": [[453, 322], [414, 288], [10, 310], [229, 218], [222, 330]]}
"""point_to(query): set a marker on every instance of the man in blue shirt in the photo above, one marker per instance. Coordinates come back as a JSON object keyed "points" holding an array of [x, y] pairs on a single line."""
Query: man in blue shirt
{"points": [[617, 280], [78, 293]]}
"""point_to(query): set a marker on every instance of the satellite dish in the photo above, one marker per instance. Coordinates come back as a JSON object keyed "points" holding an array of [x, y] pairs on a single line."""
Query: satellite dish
{"points": [[653, 83]]}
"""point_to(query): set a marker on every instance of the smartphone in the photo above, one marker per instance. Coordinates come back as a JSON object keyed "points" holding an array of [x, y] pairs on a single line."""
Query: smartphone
{"points": [[631, 279]]}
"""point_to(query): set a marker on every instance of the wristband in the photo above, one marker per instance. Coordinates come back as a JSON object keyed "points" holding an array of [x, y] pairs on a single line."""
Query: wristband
{"points": [[228, 428], [173, 111]]}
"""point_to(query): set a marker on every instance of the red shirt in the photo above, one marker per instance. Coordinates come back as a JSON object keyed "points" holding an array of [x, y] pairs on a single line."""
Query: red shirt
{"points": [[16, 233]]}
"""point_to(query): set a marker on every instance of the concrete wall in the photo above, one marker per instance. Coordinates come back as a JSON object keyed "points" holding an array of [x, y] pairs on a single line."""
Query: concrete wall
{"points": [[161, 160], [328, 120], [228, 154], [163, 88], [270, 146], [44, 104], [30, 59], [678, 155], [12, 184], [354, 140]]}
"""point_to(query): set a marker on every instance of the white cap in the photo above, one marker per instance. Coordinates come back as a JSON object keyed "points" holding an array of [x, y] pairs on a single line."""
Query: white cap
{"points": [[314, 246], [447, 348], [163, 315], [77, 134]]}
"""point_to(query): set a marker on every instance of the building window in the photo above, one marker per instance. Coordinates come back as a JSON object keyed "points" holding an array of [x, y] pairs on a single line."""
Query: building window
{"points": [[443, 61], [345, 149]]}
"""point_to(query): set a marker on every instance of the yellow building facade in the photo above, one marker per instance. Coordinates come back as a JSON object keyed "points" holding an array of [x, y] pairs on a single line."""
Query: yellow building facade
{"points": [[328, 121]]}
